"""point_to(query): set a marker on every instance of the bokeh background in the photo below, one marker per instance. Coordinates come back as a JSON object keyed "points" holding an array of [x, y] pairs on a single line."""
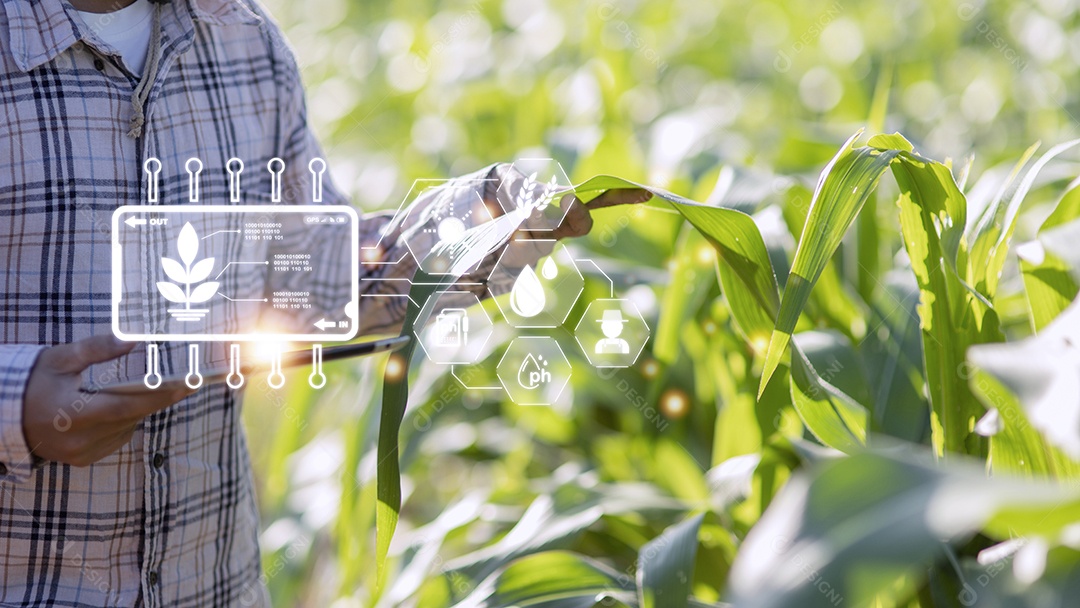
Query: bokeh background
{"points": [[666, 92]]}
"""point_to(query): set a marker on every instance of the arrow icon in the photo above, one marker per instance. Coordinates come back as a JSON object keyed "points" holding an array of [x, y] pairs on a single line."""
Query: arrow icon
{"points": [[322, 324], [135, 221]]}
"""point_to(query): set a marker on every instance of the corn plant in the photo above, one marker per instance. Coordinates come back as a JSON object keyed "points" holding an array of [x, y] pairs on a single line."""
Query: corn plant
{"points": [[838, 501]]}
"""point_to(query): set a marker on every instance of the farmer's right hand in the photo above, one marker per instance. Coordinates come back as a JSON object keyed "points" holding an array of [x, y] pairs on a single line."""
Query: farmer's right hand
{"points": [[55, 429]]}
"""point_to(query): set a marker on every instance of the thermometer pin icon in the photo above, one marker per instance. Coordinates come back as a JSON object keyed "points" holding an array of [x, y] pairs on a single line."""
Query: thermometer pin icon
{"points": [[317, 379], [152, 379], [276, 379], [235, 379], [193, 379]]}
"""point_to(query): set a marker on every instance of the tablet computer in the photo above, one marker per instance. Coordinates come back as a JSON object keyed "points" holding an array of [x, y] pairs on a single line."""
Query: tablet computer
{"points": [[298, 358]]}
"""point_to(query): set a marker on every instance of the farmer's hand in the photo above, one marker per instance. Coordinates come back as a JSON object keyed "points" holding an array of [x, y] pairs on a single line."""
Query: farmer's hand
{"points": [[575, 216], [65, 424], [578, 220]]}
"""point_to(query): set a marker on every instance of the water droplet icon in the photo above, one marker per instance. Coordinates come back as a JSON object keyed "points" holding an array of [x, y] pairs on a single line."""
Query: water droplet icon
{"points": [[532, 374], [527, 295], [527, 372], [549, 270]]}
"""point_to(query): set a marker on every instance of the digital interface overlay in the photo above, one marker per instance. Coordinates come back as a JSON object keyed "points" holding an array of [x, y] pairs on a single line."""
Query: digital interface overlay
{"points": [[235, 273]]}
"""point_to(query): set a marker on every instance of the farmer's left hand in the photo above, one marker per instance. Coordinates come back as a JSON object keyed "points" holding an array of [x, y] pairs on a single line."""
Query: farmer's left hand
{"points": [[578, 220]]}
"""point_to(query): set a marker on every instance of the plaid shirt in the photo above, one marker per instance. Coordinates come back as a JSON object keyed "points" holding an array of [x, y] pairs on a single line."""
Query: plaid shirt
{"points": [[171, 518]]}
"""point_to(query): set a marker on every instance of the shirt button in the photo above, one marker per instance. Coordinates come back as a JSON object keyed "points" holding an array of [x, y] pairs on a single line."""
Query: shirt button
{"points": [[99, 64], [152, 577], [159, 460], [3, 469]]}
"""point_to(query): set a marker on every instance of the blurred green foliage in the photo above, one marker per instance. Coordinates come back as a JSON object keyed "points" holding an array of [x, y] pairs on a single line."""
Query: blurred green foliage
{"points": [[738, 103]]}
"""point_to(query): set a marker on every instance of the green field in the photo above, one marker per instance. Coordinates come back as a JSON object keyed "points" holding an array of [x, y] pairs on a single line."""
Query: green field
{"points": [[862, 382]]}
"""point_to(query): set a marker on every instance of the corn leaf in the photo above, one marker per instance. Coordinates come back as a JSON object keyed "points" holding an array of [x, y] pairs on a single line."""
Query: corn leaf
{"points": [[842, 189], [457, 258], [952, 315], [1043, 372], [831, 414], [1048, 266], [732, 233], [1018, 447], [852, 527], [691, 279], [993, 233], [744, 260], [666, 566], [555, 579]]}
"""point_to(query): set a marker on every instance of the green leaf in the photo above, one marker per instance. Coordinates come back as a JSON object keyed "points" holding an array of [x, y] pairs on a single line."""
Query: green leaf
{"points": [[995, 584], [691, 279], [1050, 264], [1043, 372], [1049, 286], [842, 189], [732, 233], [551, 521], [1018, 447], [952, 314], [982, 238], [742, 253], [666, 566], [457, 258], [990, 242], [933, 188], [851, 527], [1066, 210], [681, 474], [893, 358], [555, 579], [831, 414], [879, 105]]}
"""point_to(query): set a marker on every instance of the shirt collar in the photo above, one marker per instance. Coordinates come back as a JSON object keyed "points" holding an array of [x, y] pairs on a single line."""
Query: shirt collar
{"points": [[39, 30]]}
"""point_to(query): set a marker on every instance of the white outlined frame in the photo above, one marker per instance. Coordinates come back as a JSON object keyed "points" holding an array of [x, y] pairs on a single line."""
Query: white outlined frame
{"points": [[351, 310]]}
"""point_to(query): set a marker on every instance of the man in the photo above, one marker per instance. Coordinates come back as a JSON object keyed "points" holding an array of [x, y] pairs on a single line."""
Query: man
{"points": [[147, 500]]}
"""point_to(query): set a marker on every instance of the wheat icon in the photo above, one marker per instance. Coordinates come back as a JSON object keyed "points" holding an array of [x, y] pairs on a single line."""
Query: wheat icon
{"points": [[186, 273], [528, 191]]}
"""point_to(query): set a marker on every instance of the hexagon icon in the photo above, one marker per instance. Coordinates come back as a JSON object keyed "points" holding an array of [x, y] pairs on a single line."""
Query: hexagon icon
{"points": [[534, 370], [457, 330], [612, 333], [441, 210], [539, 183], [541, 294]]}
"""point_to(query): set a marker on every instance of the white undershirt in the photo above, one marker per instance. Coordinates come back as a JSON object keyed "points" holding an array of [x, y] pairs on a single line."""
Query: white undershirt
{"points": [[126, 30]]}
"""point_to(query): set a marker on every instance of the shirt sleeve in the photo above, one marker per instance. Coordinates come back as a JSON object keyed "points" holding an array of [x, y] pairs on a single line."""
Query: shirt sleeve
{"points": [[390, 241], [16, 362]]}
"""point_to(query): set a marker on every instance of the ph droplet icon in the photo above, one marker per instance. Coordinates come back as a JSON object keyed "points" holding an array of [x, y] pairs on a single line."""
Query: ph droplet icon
{"points": [[549, 270], [527, 295], [533, 372]]}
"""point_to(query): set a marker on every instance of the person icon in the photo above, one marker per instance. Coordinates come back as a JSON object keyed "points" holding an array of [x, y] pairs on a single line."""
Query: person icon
{"points": [[611, 323]]}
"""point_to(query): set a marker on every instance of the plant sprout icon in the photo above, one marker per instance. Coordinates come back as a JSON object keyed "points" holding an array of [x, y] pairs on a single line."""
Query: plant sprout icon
{"points": [[187, 274]]}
